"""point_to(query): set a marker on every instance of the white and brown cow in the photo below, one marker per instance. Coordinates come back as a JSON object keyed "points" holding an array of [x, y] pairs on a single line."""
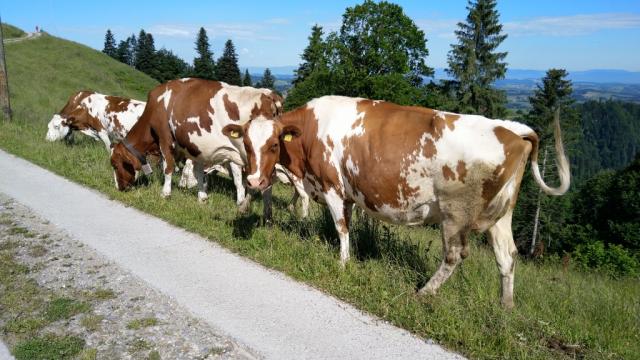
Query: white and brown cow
{"points": [[405, 165], [102, 117], [187, 116]]}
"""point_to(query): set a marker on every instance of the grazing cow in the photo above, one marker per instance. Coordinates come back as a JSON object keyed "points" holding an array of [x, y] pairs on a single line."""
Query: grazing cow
{"points": [[406, 165], [187, 115], [102, 117]]}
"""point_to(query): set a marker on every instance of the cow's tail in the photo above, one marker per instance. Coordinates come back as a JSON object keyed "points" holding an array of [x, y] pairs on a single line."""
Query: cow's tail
{"points": [[561, 160]]}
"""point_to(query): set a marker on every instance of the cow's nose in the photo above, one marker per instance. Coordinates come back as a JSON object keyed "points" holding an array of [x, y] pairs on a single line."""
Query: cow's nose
{"points": [[255, 183]]}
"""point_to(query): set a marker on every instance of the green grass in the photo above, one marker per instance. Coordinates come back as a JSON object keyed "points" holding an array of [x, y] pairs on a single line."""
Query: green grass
{"points": [[48, 347], [10, 31], [138, 324], [555, 310]]}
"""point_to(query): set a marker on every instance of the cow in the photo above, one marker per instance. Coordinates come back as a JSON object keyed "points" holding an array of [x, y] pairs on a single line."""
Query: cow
{"points": [[101, 117], [405, 165], [187, 115]]}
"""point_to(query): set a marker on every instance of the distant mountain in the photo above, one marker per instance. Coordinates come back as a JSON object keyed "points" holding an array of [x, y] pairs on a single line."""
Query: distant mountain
{"points": [[603, 76], [600, 76]]}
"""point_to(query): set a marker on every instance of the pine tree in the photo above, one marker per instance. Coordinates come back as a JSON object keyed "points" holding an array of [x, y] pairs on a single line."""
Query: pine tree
{"points": [[203, 65], [313, 56], [246, 81], [267, 81], [227, 69], [169, 66], [474, 62], [145, 54], [110, 44], [541, 217], [126, 49]]}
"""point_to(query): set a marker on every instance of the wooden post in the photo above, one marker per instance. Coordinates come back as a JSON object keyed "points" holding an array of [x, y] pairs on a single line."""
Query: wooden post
{"points": [[5, 103]]}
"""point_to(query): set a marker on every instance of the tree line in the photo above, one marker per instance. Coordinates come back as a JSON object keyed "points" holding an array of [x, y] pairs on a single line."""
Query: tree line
{"points": [[163, 65]]}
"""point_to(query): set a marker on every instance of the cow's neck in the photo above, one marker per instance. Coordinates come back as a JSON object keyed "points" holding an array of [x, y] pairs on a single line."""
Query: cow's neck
{"points": [[292, 153], [141, 139]]}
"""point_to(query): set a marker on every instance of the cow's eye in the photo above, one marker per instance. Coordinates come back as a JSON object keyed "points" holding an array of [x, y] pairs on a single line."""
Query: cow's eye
{"points": [[274, 147]]}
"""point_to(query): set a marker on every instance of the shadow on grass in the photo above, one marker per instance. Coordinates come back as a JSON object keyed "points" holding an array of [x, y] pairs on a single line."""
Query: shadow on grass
{"points": [[244, 225]]}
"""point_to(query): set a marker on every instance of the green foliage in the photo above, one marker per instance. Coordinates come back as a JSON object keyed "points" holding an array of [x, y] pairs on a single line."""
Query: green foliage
{"points": [[169, 66], [611, 136], [203, 64], [246, 80], [268, 80], [379, 53], [110, 45], [49, 347], [10, 31], [612, 259], [474, 62], [137, 324], [227, 69]]}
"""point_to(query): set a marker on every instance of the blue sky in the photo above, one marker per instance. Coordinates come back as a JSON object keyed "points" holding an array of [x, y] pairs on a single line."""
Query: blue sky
{"points": [[572, 34]]}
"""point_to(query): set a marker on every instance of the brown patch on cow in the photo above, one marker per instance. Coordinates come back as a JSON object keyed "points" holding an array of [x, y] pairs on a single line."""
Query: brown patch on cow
{"points": [[461, 169], [450, 120], [231, 108], [448, 173], [117, 104], [429, 150], [267, 106], [342, 227], [330, 143], [514, 148]]}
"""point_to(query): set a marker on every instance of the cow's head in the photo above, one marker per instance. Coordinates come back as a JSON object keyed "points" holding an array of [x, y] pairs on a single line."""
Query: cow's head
{"points": [[263, 141], [125, 166], [58, 128]]}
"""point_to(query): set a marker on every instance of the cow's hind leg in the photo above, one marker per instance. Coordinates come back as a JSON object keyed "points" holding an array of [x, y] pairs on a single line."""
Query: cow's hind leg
{"points": [[168, 166], [454, 240], [501, 239]]}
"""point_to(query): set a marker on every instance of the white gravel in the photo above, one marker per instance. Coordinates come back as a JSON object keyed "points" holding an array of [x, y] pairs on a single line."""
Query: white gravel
{"points": [[263, 310]]}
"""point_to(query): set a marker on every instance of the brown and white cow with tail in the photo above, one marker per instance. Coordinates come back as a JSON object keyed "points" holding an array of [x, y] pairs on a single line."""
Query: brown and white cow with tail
{"points": [[101, 117], [188, 115], [405, 165]]}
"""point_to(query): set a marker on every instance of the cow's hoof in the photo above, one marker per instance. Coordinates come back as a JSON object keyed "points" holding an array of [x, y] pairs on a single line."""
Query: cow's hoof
{"points": [[165, 194], [507, 304], [203, 199], [243, 207]]}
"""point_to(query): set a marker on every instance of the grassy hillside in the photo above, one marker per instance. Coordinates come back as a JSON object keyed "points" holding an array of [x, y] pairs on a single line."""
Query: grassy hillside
{"points": [[10, 31], [44, 72], [560, 312]]}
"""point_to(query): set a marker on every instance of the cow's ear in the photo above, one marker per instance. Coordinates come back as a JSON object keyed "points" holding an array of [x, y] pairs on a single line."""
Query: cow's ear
{"points": [[233, 131], [289, 132]]}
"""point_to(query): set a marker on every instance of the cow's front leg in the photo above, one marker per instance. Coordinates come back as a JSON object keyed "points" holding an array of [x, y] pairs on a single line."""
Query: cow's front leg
{"points": [[236, 174], [168, 164], [341, 213], [198, 171]]}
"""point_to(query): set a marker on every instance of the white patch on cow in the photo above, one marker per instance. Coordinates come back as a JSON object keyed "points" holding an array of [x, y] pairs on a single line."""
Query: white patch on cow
{"points": [[56, 130], [194, 120], [115, 179], [259, 132], [245, 97], [165, 98]]}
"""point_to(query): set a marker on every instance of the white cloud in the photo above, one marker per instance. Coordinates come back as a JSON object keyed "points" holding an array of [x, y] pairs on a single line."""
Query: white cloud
{"points": [[573, 25], [244, 51], [172, 31]]}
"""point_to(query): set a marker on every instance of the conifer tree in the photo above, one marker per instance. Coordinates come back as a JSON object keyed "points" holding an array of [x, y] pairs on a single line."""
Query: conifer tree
{"points": [[203, 64], [475, 63], [145, 53], [267, 81], [246, 81], [227, 69], [110, 44], [313, 56]]}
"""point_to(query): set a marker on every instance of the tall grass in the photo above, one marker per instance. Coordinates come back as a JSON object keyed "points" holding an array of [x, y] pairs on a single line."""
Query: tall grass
{"points": [[560, 313]]}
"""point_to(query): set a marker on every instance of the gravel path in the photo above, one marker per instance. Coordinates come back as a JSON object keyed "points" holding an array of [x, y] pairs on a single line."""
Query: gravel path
{"points": [[129, 318], [28, 36], [268, 312]]}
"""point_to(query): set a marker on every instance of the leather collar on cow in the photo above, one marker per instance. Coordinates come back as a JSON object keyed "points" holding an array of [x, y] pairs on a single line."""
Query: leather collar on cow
{"points": [[135, 152]]}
